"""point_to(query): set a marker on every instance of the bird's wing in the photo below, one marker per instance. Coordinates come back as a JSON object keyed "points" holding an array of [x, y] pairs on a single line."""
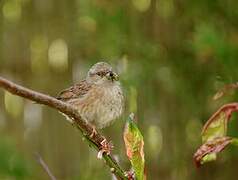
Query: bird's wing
{"points": [[75, 91]]}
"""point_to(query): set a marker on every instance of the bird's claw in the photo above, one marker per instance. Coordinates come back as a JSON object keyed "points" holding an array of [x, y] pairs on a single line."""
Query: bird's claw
{"points": [[130, 175], [106, 147], [94, 132]]}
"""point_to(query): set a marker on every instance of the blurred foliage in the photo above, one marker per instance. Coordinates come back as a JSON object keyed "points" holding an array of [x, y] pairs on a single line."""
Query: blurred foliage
{"points": [[12, 164], [172, 56]]}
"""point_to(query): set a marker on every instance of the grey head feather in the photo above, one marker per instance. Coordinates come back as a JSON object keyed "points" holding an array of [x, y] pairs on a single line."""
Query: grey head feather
{"points": [[100, 67]]}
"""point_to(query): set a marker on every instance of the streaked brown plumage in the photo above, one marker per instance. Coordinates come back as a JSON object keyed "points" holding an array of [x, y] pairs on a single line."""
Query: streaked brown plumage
{"points": [[78, 90], [99, 98]]}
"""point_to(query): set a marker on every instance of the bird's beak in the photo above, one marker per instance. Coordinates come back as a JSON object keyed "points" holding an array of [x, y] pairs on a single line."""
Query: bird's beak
{"points": [[112, 76], [115, 77]]}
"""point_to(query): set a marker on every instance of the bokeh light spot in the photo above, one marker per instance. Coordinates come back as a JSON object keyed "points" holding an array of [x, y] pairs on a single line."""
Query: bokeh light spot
{"points": [[32, 118], [2, 119], [12, 10], [58, 55], [38, 49], [165, 8], [133, 100], [141, 5], [155, 139], [13, 104], [32, 115], [87, 23]]}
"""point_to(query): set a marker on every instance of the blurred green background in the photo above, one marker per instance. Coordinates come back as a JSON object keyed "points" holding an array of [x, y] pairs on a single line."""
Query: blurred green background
{"points": [[172, 56]]}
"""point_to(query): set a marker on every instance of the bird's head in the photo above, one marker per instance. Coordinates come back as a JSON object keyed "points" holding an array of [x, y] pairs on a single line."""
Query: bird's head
{"points": [[102, 72]]}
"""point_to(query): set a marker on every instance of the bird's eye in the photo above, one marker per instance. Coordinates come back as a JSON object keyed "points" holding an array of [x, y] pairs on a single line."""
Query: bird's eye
{"points": [[100, 74], [105, 73]]}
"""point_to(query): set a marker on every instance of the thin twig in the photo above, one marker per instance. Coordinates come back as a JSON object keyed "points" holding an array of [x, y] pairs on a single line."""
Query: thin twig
{"points": [[45, 166], [70, 111], [225, 90]]}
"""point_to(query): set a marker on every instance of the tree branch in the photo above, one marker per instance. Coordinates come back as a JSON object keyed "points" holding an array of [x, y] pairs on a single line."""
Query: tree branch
{"points": [[70, 111], [45, 166]]}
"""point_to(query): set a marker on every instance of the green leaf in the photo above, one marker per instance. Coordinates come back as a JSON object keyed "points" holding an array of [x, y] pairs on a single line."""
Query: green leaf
{"points": [[217, 128], [135, 147], [234, 141], [209, 157]]}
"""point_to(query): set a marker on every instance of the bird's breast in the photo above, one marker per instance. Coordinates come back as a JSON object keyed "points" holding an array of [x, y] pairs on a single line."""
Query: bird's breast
{"points": [[102, 105], [110, 106]]}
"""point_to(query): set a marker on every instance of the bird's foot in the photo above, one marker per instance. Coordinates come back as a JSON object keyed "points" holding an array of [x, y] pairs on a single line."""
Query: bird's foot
{"points": [[106, 147], [130, 175]]}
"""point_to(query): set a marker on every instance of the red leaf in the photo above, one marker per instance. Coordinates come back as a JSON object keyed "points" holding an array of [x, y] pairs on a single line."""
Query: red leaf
{"points": [[135, 147], [210, 147], [214, 134]]}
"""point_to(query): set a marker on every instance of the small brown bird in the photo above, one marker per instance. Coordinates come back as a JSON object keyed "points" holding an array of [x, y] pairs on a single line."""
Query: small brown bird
{"points": [[98, 98]]}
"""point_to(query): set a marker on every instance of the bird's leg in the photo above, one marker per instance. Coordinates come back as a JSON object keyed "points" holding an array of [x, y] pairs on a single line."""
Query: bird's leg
{"points": [[106, 147]]}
